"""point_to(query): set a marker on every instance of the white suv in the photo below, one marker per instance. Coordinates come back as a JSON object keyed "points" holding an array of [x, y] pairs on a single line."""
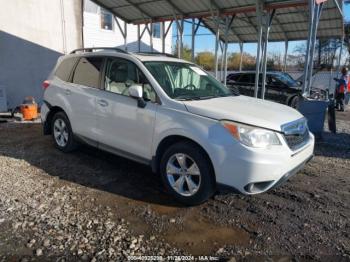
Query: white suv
{"points": [[172, 115]]}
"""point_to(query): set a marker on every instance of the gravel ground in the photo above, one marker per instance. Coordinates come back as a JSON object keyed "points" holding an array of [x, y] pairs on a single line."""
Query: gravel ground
{"points": [[93, 206]]}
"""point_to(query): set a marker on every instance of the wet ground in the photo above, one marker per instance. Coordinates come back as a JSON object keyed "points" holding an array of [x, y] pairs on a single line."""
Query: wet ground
{"points": [[41, 189]]}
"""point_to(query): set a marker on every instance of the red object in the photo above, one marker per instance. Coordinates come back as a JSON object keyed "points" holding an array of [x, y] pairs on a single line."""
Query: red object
{"points": [[45, 84], [348, 83], [342, 89]]}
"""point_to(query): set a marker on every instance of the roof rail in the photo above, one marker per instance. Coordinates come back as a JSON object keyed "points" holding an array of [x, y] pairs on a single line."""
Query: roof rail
{"points": [[90, 49], [155, 53]]}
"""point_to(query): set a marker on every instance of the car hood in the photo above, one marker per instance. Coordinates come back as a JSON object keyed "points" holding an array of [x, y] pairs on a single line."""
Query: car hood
{"points": [[244, 109]]}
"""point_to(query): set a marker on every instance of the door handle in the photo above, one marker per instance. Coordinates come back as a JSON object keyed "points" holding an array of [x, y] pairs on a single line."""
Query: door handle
{"points": [[67, 92], [103, 103]]}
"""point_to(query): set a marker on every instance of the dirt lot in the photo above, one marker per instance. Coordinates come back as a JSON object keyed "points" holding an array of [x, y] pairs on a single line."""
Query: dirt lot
{"points": [[93, 206]]}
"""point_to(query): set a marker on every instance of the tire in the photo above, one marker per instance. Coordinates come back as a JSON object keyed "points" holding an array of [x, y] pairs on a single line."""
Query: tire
{"points": [[294, 102], [192, 189], [62, 134]]}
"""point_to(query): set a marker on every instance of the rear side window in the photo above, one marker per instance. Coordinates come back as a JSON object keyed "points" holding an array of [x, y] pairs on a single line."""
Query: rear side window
{"points": [[64, 69], [87, 72], [246, 78]]}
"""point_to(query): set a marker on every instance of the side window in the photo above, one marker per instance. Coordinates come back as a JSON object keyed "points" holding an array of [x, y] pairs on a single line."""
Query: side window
{"points": [[64, 69], [234, 77], [121, 74], [245, 78], [87, 72]]}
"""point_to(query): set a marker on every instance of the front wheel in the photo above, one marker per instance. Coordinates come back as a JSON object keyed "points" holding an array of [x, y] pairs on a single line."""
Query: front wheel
{"points": [[294, 102], [187, 174], [62, 133]]}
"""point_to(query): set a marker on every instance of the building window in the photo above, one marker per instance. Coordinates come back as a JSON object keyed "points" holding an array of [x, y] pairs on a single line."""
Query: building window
{"points": [[156, 30], [106, 20]]}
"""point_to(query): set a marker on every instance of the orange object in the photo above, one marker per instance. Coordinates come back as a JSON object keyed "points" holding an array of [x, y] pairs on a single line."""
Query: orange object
{"points": [[29, 109]]}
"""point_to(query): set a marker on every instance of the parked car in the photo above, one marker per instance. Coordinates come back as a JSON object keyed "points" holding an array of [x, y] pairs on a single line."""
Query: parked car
{"points": [[170, 114], [280, 87]]}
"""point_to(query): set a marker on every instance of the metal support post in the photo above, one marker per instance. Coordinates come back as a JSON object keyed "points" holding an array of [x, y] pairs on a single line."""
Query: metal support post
{"points": [[285, 56], [194, 32], [138, 39], [122, 31], [259, 10], [315, 13], [180, 31], [165, 31], [268, 22], [240, 56], [150, 31], [125, 36], [228, 24], [339, 57], [163, 36], [192, 40], [217, 39]]}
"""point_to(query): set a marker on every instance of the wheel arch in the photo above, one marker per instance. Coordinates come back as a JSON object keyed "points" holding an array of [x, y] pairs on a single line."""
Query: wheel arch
{"points": [[169, 140], [49, 117]]}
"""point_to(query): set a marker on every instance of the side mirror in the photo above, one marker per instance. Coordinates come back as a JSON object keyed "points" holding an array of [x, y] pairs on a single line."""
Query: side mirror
{"points": [[136, 91], [300, 83]]}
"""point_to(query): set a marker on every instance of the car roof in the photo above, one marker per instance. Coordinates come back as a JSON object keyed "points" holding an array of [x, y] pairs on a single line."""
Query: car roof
{"points": [[253, 72]]}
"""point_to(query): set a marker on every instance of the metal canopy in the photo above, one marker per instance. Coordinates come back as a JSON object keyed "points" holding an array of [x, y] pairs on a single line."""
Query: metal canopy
{"points": [[288, 24], [290, 21], [242, 21]]}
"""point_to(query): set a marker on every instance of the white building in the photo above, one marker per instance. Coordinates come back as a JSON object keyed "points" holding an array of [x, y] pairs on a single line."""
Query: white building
{"points": [[101, 29], [34, 33]]}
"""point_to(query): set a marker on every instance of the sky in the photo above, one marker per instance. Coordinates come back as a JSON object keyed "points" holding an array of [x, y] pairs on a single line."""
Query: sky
{"points": [[205, 40]]}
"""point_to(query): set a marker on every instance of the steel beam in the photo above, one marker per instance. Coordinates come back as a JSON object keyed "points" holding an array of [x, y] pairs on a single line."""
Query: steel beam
{"points": [[259, 14], [138, 39], [217, 39], [314, 17], [268, 22], [285, 55], [240, 55]]}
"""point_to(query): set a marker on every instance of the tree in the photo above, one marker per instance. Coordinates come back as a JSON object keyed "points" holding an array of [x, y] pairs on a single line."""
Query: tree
{"points": [[186, 52], [248, 61], [205, 59]]}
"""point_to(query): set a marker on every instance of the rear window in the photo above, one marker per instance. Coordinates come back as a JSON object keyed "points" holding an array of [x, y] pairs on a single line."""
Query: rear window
{"points": [[64, 69], [88, 71], [234, 77]]}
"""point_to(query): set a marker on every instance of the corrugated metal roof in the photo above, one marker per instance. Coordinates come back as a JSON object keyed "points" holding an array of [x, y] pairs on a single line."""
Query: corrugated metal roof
{"points": [[290, 21]]}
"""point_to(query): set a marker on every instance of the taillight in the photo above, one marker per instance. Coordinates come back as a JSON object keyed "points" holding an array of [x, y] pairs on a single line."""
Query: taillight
{"points": [[46, 84]]}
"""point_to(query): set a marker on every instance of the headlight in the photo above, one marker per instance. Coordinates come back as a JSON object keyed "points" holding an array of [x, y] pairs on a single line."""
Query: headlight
{"points": [[251, 136]]}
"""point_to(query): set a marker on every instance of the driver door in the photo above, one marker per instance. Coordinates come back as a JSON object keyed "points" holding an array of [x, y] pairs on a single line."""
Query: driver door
{"points": [[124, 128]]}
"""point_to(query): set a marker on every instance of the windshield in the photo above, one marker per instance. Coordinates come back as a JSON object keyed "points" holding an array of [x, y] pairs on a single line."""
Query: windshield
{"points": [[183, 81], [286, 79]]}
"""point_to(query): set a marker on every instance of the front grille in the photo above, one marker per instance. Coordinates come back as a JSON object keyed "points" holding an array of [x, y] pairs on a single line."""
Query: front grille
{"points": [[296, 141]]}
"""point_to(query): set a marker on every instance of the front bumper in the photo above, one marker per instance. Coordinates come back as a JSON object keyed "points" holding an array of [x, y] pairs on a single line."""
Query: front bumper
{"points": [[253, 171]]}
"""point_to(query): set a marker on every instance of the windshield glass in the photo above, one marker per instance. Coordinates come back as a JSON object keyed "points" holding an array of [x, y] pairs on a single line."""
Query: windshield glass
{"points": [[286, 79], [185, 81]]}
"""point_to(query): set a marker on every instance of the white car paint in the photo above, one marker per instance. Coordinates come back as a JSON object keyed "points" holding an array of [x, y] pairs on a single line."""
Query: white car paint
{"points": [[123, 128]]}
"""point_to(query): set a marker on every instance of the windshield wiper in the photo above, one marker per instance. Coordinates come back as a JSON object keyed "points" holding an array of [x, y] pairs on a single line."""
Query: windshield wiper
{"points": [[187, 98]]}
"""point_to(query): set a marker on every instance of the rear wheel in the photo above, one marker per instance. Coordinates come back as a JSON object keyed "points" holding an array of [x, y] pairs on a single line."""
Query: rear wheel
{"points": [[187, 174], [62, 133]]}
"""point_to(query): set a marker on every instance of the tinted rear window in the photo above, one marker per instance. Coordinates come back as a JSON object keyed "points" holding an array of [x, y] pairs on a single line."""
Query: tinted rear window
{"points": [[233, 77], [64, 69], [87, 72]]}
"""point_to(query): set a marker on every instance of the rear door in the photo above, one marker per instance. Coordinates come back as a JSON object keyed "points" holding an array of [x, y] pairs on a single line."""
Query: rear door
{"points": [[81, 95], [123, 127]]}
